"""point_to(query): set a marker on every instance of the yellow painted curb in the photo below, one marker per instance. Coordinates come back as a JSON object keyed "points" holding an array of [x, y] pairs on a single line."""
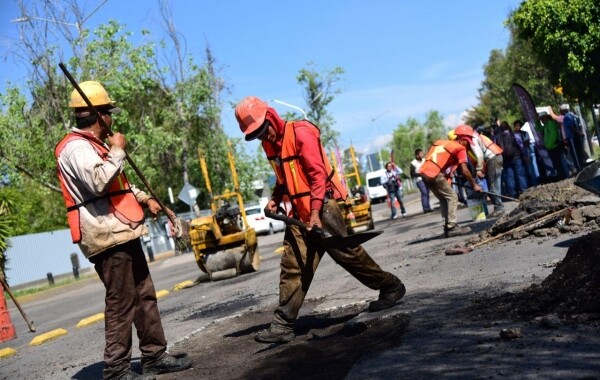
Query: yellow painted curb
{"points": [[50, 335], [91, 320], [6, 352], [161, 293], [183, 285], [280, 250]]}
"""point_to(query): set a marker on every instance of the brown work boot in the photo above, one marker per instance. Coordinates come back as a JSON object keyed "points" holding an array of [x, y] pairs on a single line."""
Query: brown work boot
{"points": [[456, 230], [388, 298], [167, 364], [276, 333]]}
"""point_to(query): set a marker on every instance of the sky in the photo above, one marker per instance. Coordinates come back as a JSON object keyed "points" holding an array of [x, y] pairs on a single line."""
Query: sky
{"points": [[401, 58]]}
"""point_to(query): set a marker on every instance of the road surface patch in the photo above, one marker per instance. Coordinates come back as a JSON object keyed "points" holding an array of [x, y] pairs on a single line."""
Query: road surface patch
{"points": [[50, 335], [91, 320]]}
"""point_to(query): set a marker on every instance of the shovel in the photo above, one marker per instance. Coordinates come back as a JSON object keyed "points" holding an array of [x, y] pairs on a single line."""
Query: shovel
{"points": [[488, 193], [325, 238]]}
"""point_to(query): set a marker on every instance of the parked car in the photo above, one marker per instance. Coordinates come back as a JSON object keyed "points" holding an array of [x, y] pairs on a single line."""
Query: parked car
{"points": [[255, 214]]}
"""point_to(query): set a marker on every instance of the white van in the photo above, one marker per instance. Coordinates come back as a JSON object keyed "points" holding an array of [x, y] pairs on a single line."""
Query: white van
{"points": [[377, 193]]}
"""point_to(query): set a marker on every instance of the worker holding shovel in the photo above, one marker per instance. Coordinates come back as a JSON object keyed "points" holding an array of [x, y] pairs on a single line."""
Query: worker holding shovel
{"points": [[441, 160], [106, 219], [305, 175]]}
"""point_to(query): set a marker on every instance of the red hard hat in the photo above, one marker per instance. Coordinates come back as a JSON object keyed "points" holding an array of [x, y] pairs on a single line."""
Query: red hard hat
{"points": [[464, 130], [250, 114]]}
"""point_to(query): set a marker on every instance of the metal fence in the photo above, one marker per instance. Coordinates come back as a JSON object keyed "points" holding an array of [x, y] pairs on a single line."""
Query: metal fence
{"points": [[31, 257]]}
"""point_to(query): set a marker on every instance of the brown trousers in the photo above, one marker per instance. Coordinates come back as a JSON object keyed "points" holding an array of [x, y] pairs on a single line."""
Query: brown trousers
{"points": [[440, 187], [130, 299], [301, 258]]}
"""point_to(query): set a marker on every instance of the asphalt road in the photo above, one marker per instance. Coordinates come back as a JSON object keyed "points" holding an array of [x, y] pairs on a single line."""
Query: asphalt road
{"points": [[410, 247]]}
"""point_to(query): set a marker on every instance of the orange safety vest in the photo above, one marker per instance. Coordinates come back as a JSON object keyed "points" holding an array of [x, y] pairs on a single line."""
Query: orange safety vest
{"points": [[124, 204], [290, 173], [489, 144], [440, 157]]}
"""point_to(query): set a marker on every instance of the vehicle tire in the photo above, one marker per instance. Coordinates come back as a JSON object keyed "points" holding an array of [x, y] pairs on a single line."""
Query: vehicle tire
{"points": [[271, 230]]}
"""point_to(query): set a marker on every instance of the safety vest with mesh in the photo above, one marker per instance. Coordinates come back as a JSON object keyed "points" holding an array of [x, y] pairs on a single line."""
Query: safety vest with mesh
{"points": [[442, 157], [487, 143], [290, 172], [124, 205]]}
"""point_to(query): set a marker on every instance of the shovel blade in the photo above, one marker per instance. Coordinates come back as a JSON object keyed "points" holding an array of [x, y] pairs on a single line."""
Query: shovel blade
{"points": [[589, 178], [351, 241]]}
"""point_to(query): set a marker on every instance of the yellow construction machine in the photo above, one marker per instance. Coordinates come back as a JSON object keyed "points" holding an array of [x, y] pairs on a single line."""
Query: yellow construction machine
{"points": [[357, 210], [222, 245]]}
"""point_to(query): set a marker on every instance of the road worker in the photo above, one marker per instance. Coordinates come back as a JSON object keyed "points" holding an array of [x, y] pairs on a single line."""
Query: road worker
{"points": [[441, 160], [304, 173], [106, 218]]}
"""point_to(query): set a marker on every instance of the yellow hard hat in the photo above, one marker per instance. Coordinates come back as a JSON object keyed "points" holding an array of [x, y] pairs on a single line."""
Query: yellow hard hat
{"points": [[94, 91], [451, 135]]}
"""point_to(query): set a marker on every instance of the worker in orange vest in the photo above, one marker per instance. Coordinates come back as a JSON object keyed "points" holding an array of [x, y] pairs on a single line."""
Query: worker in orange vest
{"points": [[304, 174], [441, 161], [106, 218]]}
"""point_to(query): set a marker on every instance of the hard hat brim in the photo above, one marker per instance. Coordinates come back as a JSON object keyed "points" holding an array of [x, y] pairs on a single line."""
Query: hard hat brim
{"points": [[264, 127]]}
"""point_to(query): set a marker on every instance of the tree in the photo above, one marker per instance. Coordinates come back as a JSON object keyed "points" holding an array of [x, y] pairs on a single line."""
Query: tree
{"points": [[412, 134], [6, 221], [517, 64], [166, 117], [564, 35], [320, 90]]}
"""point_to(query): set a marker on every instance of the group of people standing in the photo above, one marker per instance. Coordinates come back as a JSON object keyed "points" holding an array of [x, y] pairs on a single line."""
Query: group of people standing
{"points": [[558, 154]]}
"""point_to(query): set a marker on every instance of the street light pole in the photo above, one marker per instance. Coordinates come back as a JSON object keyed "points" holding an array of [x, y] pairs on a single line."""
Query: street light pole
{"points": [[292, 106], [377, 131]]}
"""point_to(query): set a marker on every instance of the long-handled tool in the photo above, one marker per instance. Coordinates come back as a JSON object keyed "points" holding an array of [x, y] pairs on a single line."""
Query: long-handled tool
{"points": [[328, 240], [488, 192], [180, 226], [5, 286]]}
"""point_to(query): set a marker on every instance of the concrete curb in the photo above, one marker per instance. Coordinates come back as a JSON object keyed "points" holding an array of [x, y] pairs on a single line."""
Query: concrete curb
{"points": [[91, 320], [6, 352], [183, 285], [50, 335], [161, 293]]}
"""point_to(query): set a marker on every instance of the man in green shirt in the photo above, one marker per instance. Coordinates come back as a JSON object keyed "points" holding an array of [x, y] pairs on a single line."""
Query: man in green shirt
{"points": [[552, 138]]}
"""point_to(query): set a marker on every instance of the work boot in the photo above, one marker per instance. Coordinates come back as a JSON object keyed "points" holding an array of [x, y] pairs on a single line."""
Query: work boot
{"points": [[130, 375], [276, 333], [167, 364], [456, 230], [388, 298]]}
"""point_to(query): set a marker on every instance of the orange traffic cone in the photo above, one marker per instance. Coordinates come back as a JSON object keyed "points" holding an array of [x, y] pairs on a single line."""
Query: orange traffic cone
{"points": [[7, 329]]}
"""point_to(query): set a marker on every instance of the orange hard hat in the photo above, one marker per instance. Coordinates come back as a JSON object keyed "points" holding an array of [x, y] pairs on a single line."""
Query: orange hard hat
{"points": [[250, 114], [464, 130]]}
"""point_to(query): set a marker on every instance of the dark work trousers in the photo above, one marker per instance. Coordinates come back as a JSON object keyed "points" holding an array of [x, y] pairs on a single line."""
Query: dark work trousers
{"points": [[130, 299], [424, 195], [301, 258]]}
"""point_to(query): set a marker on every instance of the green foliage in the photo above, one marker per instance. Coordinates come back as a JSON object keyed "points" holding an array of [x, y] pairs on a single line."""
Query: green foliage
{"points": [[165, 119], [7, 205], [412, 134], [319, 91], [497, 99], [565, 37]]}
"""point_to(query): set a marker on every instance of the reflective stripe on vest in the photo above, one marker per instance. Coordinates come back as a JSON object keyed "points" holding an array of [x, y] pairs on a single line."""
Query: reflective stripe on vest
{"points": [[436, 159], [489, 144], [123, 203], [289, 171]]}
